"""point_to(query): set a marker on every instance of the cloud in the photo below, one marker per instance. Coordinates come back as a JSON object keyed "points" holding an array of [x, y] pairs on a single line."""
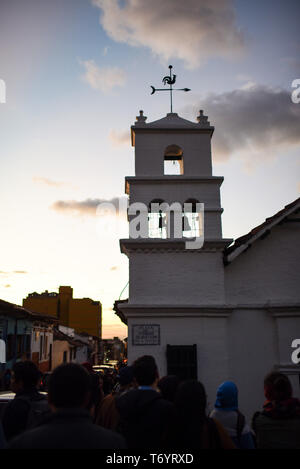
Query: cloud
{"points": [[256, 121], [192, 30], [49, 182], [103, 79], [2, 272], [91, 206], [119, 138], [291, 63]]}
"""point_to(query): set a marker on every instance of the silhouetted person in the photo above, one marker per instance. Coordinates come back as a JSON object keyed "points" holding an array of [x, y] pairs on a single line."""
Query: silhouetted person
{"points": [[190, 428], [278, 425], [168, 386], [96, 392], [29, 407], [108, 415], [226, 412], [143, 412], [70, 425], [6, 380]]}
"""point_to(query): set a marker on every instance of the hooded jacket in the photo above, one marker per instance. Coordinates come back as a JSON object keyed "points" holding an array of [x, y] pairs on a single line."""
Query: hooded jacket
{"points": [[227, 413], [144, 415]]}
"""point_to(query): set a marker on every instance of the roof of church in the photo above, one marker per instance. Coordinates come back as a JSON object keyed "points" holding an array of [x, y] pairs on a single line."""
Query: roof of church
{"points": [[172, 120], [260, 231]]}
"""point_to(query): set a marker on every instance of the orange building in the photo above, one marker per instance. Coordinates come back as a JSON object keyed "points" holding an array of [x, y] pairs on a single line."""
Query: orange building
{"points": [[82, 314]]}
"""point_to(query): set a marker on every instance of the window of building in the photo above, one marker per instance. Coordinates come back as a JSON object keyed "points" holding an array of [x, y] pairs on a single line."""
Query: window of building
{"points": [[65, 357], [10, 347], [45, 346], [192, 221], [157, 220], [182, 361], [173, 160], [41, 346]]}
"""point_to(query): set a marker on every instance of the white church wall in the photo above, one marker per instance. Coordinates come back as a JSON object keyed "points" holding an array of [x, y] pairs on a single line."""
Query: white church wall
{"points": [[176, 278], [150, 148], [179, 187], [268, 272], [288, 329], [208, 333], [253, 352]]}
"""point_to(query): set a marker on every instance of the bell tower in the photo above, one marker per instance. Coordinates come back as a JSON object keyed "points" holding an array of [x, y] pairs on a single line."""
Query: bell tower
{"points": [[176, 307]]}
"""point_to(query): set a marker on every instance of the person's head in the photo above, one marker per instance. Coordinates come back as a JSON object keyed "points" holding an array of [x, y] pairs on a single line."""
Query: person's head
{"points": [[88, 367], [145, 371], [25, 376], [277, 387], [126, 377], [190, 400], [168, 386], [227, 396], [69, 387], [188, 415]]}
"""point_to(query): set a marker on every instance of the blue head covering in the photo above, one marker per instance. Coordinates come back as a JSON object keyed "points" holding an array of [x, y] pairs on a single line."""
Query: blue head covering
{"points": [[227, 396]]}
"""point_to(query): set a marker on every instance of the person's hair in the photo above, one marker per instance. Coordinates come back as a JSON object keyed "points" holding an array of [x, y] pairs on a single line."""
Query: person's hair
{"points": [[145, 370], [69, 386], [27, 372], [168, 386], [186, 423], [125, 376], [190, 399], [277, 387]]}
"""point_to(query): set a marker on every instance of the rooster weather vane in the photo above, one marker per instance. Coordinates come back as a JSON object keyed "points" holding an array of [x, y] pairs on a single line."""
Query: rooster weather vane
{"points": [[169, 80]]}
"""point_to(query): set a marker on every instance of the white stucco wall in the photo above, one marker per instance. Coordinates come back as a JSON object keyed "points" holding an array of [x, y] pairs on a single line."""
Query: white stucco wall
{"points": [[268, 271], [208, 333], [150, 148], [176, 278], [253, 352]]}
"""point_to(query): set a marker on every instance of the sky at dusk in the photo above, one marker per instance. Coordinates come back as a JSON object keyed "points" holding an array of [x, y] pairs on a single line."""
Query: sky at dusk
{"points": [[77, 72]]}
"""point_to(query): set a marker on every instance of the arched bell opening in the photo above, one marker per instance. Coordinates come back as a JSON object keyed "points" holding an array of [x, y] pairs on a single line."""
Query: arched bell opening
{"points": [[192, 219], [157, 219], [173, 160]]}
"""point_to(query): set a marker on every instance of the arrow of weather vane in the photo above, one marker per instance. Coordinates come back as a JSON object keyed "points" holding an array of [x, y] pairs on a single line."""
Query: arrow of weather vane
{"points": [[169, 80]]}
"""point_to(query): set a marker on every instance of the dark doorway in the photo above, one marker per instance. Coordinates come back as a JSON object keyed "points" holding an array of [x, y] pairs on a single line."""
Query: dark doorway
{"points": [[182, 361]]}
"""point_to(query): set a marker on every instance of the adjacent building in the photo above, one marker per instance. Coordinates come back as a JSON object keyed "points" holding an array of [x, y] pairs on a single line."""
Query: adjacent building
{"points": [[81, 314], [27, 336]]}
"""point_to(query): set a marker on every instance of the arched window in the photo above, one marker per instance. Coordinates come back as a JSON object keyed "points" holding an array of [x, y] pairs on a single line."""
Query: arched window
{"points": [[157, 219], [192, 219], [173, 160]]}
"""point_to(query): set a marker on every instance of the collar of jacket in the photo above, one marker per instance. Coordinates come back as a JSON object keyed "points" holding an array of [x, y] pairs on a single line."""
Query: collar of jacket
{"points": [[72, 413]]}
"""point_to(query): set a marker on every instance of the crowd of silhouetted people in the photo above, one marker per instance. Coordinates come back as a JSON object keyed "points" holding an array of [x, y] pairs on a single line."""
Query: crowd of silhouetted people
{"points": [[132, 408]]}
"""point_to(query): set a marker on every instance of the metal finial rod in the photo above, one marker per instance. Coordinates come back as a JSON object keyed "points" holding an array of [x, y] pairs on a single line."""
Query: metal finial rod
{"points": [[170, 80]]}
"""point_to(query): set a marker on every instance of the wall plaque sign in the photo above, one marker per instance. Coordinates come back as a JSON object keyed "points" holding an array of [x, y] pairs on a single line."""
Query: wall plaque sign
{"points": [[145, 334]]}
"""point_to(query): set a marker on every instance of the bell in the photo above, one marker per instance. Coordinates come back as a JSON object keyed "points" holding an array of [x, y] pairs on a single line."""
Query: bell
{"points": [[160, 221], [185, 224]]}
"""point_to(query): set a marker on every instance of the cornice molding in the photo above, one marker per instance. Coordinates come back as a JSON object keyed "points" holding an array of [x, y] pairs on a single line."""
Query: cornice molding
{"points": [[149, 245]]}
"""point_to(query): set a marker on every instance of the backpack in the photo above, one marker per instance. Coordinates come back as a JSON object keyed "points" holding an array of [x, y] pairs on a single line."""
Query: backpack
{"points": [[38, 410]]}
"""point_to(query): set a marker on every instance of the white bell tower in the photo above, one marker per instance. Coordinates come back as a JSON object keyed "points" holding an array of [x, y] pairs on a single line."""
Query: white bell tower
{"points": [[176, 307]]}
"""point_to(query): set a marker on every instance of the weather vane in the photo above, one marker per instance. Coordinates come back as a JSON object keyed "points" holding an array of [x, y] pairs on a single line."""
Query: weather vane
{"points": [[169, 80]]}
